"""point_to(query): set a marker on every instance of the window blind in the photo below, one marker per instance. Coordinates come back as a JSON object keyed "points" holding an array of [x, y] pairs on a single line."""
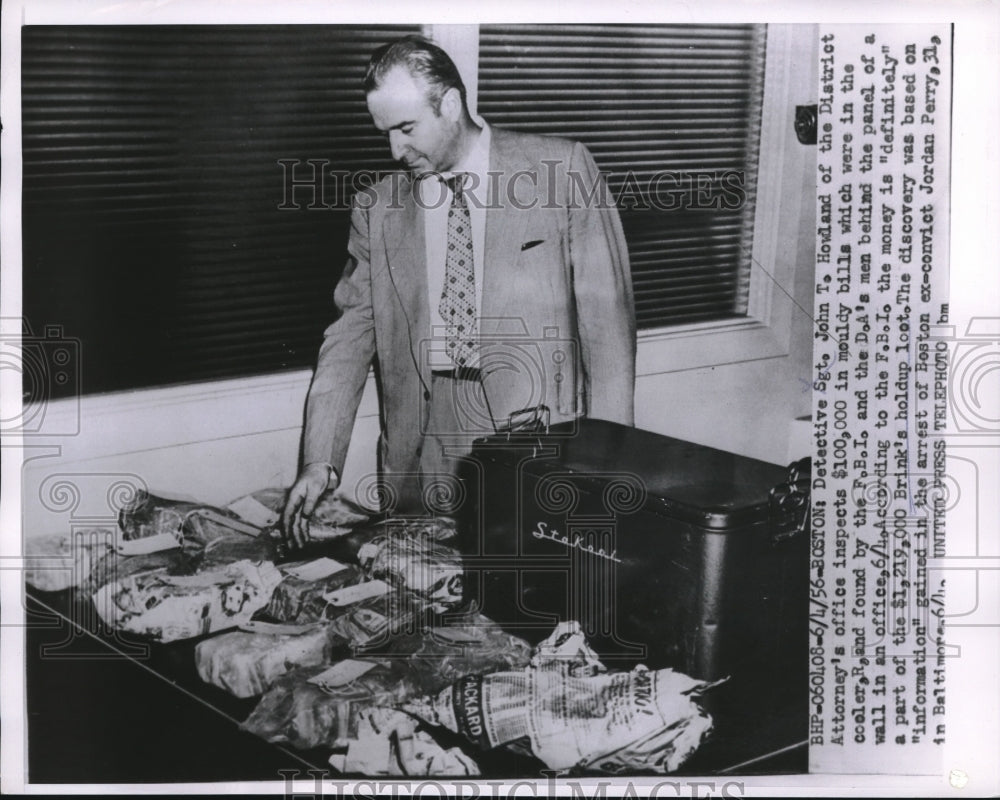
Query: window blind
{"points": [[157, 229], [671, 114]]}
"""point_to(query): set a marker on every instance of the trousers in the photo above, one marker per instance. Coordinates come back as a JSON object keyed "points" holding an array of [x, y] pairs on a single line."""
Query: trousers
{"points": [[459, 414]]}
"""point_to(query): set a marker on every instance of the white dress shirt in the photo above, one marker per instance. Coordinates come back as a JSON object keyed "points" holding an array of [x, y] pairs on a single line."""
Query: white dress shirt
{"points": [[436, 197]]}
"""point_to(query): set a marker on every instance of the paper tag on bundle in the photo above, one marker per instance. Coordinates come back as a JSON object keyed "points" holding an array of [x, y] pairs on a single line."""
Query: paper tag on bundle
{"points": [[356, 593], [254, 512], [150, 544], [343, 672], [314, 570]]}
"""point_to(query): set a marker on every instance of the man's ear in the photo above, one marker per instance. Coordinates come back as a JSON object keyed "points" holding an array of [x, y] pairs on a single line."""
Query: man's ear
{"points": [[451, 104]]}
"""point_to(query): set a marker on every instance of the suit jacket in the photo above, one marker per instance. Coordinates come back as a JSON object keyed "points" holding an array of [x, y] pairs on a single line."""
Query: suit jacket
{"points": [[557, 322]]}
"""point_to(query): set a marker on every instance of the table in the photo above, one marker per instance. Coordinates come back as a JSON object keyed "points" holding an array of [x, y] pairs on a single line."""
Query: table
{"points": [[109, 708]]}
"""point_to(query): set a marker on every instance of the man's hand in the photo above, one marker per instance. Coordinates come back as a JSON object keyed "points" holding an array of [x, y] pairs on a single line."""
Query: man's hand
{"points": [[302, 498]]}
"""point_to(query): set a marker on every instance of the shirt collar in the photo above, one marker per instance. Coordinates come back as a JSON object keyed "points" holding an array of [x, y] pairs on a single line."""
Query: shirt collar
{"points": [[477, 160]]}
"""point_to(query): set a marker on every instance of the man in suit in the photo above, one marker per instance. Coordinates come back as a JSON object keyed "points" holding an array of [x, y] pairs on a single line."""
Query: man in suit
{"points": [[489, 277]]}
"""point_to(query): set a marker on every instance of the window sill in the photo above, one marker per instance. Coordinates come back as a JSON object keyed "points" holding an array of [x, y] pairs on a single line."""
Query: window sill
{"points": [[685, 347]]}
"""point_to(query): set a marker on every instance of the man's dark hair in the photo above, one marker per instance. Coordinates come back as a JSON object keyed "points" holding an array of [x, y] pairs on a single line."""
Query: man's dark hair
{"points": [[421, 58]]}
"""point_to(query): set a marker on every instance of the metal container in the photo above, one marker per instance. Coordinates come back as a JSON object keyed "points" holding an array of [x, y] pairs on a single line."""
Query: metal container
{"points": [[668, 553]]}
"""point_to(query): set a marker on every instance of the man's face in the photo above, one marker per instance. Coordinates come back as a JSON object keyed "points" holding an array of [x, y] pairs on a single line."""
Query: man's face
{"points": [[422, 139]]}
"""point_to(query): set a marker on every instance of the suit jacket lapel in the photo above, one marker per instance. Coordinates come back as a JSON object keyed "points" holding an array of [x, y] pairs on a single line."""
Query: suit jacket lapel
{"points": [[406, 256]]}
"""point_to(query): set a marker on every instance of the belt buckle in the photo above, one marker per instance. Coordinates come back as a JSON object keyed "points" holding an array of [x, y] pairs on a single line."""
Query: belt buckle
{"points": [[459, 373]]}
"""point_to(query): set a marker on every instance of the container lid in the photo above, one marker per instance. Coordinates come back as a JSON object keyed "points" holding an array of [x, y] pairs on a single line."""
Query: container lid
{"points": [[681, 480]]}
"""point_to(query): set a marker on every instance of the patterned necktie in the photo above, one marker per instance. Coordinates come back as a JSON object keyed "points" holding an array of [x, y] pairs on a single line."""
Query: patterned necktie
{"points": [[458, 297]]}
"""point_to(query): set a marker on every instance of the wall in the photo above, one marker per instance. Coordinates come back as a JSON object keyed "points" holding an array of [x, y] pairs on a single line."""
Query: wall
{"points": [[217, 441]]}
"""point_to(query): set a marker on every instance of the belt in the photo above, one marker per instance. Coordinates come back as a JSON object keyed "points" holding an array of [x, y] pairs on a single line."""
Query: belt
{"points": [[459, 373]]}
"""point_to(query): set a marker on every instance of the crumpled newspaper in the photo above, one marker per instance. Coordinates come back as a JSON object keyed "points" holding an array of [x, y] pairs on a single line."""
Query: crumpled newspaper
{"points": [[573, 714], [389, 744]]}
